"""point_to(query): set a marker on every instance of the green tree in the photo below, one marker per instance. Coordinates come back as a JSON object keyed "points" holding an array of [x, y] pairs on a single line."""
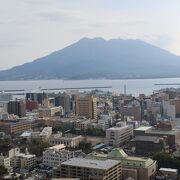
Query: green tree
{"points": [[37, 147], [3, 171], [85, 146], [167, 161]]}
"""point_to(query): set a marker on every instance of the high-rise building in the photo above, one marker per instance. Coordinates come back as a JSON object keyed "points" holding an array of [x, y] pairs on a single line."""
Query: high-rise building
{"points": [[17, 107], [64, 101], [39, 97], [86, 106]]}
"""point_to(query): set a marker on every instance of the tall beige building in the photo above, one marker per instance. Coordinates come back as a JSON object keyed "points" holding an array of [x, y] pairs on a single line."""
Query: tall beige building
{"points": [[86, 106]]}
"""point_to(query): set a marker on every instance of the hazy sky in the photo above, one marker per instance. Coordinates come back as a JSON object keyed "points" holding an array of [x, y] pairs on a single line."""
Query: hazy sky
{"points": [[33, 28]]}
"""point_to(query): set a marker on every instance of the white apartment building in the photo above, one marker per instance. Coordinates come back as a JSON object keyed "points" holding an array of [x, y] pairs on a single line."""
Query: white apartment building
{"points": [[55, 155], [117, 136]]}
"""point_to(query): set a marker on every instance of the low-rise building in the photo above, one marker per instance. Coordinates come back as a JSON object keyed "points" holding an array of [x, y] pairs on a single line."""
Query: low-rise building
{"points": [[171, 134], [55, 155], [149, 144], [137, 168], [167, 173], [117, 136], [82, 124], [69, 140], [24, 161], [12, 158], [14, 127]]}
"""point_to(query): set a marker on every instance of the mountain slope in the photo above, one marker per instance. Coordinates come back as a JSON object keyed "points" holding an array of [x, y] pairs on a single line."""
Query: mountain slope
{"points": [[98, 58]]}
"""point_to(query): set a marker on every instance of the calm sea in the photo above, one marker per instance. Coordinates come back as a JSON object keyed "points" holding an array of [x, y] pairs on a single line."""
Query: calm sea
{"points": [[133, 86]]}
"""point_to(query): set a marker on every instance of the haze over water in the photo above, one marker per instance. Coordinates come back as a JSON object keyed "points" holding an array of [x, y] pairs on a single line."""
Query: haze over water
{"points": [[133, 86]]}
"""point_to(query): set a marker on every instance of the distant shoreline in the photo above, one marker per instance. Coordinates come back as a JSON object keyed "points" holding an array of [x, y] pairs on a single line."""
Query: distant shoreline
{"points": [[82, 79]]}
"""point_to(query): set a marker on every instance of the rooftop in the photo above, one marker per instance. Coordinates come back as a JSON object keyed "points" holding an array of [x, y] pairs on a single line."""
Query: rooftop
{"points": [[143, 128], [26, 155], [168, 170], [89, 163], [154, 139], [138, 161], [118, 128], [163, 132], [57, 147]]}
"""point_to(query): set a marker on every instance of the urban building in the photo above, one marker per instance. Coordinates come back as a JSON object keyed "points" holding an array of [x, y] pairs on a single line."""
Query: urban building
{"points": [[24, 161], [104, 122], [6, 155], [14, 127], [4, 115], [69, 140], [82, 124], [5, 161], [63, 100], [148, 145], [176, 103], [17, 107], [39, 97], [31, 105], [50, 112], [154, 107], [132, 109], [89, 169], [171, 134], [86, 106], [117, 136], [55, 155], [167, 173], [137, 168], [169, 110]]}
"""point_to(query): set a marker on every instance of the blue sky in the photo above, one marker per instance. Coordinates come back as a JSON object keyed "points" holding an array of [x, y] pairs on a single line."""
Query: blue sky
{"points": [[33, 28]]}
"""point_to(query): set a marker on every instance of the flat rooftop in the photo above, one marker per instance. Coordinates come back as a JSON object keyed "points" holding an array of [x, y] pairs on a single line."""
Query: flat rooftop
{"points": [[91, 163], [136, 161], [118, 128], [163, 132], [154, 139], [57, 147], [168, 170], [143, 128], [26, 155]]}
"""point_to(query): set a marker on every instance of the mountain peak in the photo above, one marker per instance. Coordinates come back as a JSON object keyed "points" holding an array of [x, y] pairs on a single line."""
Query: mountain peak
{"points": [[100, 58], [86, 39]]}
